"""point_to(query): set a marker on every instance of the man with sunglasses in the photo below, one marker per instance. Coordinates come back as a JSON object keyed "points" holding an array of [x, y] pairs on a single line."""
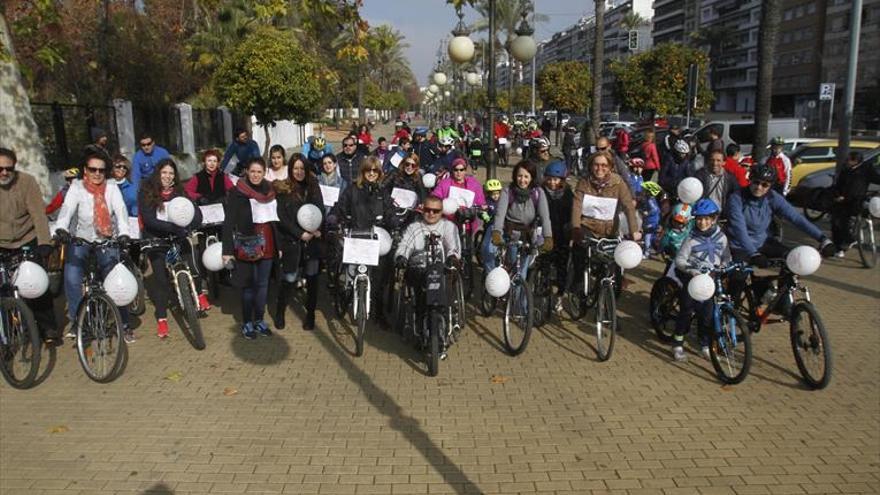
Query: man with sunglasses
{"points": [[24, 224], [349, 160], [145, 160]]}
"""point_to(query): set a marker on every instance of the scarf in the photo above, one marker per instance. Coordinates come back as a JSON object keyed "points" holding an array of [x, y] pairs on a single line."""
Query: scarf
{"points": [[600, 185], [520, 195], [554, 193], [251, 192], [331, 179], [101, 214]]}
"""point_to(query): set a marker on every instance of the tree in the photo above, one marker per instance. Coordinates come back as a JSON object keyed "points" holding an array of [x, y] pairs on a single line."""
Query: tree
{"points": [[565, 86], [656, 80], [271, 77], [770, 17], [598, 70], [632, 21]]}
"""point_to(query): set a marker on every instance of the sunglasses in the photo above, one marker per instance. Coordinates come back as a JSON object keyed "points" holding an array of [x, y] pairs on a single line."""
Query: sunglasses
{"points": [[459, 169], [7, 169], [121, 165], [602, 149], [347, 145], [432, 211], [94, 170], [410, 164], [373, 171], [762, 183], [146, 145]]}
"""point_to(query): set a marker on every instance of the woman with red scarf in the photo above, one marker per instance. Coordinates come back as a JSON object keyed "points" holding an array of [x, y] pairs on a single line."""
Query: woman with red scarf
{"points": [[160, 188], [249, 240]]}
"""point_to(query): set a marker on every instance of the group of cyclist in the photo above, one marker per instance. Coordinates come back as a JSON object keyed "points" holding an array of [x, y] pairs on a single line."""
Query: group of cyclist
{"points": [[264, 240]]}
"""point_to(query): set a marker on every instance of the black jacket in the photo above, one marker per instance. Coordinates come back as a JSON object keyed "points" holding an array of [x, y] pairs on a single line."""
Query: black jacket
{"points": [[349, 166], [362, 207], [560, 215], [853, 183], [153, 227], [289, 240], [398, 178]]}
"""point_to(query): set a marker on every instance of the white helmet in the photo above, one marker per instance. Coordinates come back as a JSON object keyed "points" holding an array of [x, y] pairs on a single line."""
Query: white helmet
{"points": [[429, 180], [180, 211], [450, 206], [212, 258], [682, 147], [121, 285], [497, 282], [701, 287], [309, 217], [384, 240], [446, 141], [803, 260], [874, 206], [690, 190], [31, 280], [628, 255]]}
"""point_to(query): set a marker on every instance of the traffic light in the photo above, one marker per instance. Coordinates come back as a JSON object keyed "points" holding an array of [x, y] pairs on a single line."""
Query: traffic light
{"points": [[633, 41]]}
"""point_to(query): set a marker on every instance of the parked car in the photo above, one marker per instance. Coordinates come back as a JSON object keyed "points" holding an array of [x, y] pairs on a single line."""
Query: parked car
{"points": [[811, 192], [742, 132], [821, 155]]}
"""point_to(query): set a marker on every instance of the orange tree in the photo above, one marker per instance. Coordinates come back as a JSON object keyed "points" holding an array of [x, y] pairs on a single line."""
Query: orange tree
{"points": [[656, 80], [565, 86]]}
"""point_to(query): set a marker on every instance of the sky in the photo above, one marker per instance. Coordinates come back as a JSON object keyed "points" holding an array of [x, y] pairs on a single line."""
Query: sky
{"points": [[425, 22]]}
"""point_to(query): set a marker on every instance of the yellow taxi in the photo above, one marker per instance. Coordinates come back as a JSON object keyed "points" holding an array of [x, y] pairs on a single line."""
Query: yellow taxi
{"points": [[820, 155]]}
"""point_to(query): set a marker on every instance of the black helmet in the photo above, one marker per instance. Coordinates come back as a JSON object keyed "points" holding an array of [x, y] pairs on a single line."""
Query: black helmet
{"points": [[762, 173]]}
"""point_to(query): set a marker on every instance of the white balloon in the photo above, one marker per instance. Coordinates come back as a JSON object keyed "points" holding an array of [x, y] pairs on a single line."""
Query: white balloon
{"points": [[450, 206], [309, 217], [803, 260], [690, 190], [180, 211], [874, 206], [628, 255], [702, 287], [384, 240], [212, 258], [497, 282], [429, 180], [31, 280], [120, 285]]}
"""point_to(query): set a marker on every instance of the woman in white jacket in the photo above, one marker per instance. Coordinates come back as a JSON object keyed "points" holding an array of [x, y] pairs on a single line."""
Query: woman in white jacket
{"points": [[92, 211]]}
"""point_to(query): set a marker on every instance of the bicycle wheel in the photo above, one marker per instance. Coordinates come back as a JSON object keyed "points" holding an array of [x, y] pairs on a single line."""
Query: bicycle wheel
{"points": [[340, 302], [866, 243], [809, 342], [606, 322], [539, 282], [518, 318], [138, 306], [99, 343], [487, 303], [731, 349], [813, 215], [437, 325], [664, 308], [20, 352], [573, 301], [389, 296], [361, 316], [403, 313], [467, 275], [189, 301], [457, 305]]}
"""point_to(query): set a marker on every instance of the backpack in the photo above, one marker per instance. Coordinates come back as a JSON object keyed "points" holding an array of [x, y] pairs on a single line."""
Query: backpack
{"points": [[534, 193]]}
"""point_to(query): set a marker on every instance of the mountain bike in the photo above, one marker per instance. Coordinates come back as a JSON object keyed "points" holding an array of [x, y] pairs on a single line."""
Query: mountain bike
{"points": [[863, 226], [517, 255], [351, 287], [138, 306], [20, 343], [731, 349]]}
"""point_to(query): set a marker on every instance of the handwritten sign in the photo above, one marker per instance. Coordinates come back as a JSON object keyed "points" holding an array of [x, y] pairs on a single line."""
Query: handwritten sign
{"points": [[212, 214], [264, 212], [404, 198], [330, 194], [462, 196], [360, 251], [502, 141], [396, 159], [599, 208]]}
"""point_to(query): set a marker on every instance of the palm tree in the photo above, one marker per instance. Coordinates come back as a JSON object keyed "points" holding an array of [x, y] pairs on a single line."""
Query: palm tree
{"points": [[632, 21], [387, 62], [598, 69], [718, 40], [771, 15]]}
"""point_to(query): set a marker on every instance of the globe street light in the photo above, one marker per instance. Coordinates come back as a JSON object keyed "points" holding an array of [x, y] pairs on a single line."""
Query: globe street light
{"points": [[523, 47], [434, 88], [461, 47]]}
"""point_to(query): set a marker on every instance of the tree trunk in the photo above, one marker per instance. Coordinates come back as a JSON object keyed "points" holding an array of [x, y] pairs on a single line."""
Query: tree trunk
{"points": [[19, 130], [362, 114], [770, 17], [598, 66]]}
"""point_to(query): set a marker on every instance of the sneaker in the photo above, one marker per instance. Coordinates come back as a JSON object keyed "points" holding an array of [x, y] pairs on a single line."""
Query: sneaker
{"points": [[261, 327], [678, 354], [162, 330], [705, 352], [247, 331], [71, 334], [309, 324], [128, 336], [204, 305], [840, 254], [558, 307], [852, 245]]}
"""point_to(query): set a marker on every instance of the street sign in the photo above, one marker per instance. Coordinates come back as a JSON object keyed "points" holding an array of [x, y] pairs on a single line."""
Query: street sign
{"points": [[633, 40], [826, 91]]}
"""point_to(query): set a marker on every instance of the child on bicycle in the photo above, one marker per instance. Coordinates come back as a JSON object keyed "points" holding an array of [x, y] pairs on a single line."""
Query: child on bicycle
{"points": [[650, 210], [559, 200], [492, 192], [706, 247], [680, 224]]}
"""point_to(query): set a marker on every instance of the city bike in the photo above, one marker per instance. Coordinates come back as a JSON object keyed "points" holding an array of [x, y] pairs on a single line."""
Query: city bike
{"points": [[20, 344]]}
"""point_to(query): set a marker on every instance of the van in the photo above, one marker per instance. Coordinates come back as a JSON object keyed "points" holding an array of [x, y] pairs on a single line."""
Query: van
{"points": [[742, 132]]}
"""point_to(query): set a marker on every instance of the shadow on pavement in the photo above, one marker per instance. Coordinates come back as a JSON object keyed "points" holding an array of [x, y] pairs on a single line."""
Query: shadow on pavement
{"points": [[48, 358], [407, 426], [158, 489]]}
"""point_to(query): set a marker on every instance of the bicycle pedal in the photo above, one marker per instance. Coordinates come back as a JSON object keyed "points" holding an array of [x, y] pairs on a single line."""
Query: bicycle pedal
{"points": [[443, 356]]}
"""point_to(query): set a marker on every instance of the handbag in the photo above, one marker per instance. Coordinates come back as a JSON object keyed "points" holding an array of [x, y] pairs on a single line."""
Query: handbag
{"points": [[249, 247]]}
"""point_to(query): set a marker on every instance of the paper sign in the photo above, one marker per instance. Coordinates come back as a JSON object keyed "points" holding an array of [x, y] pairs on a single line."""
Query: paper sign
{"points": [[134, 228], [212, 214], [476, 152], [404, 198], [462, 196], [264, 212], [360, 251], [525, 142], [234, 179], [599, 208], [502, 141], [330, 194], [396, 159], [162, 213]]}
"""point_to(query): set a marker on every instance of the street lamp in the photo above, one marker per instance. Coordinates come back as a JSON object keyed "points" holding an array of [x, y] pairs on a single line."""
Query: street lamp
{"points": [[439, 77], [434, 88], [461, 47], [472, 78], [523, 47]]}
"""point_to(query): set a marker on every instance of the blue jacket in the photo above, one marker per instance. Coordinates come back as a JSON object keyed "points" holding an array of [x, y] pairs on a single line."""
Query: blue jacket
{"points": [[444, 162], [130, 196], [143, 165], [315, 156], [242, 151], [650, 214], [749, 219]]}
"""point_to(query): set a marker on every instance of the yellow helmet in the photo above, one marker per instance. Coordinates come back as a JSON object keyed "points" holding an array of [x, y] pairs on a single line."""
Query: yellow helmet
{"points": [[71, 173], [493, 185], [319, 143]]}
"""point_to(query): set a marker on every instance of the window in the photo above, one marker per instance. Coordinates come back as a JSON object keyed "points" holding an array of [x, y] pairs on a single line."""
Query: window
{"points": [[786, 38], [703, 134], [706, 14], [811, 8], [799, 11], [788, 14], [814, 154]]}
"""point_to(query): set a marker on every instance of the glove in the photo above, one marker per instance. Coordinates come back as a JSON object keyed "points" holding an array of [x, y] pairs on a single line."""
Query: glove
{"points": [[453, 262], [44, 250], [827, 248], [496, 238], [123, 241], [548, 245], [577, 237], [759, 260], [62, 236], [400, 262], [485, 217]]}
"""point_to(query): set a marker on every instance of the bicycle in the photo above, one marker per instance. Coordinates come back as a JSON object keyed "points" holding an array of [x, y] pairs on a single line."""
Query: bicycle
{"points": [[790, 300], [181, 277], [351, 286], [540, 279], [391, 289], [663, 306], [464, 216], [864, 235], [20, 344], [138, 306], [100, 346], [601, 288], [519, 313]]}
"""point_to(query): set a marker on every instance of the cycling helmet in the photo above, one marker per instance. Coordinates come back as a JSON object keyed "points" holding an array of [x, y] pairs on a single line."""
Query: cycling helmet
{"points": [[542, 142], [637, 162], [763, 173], [398, 124], [446, 141], [682, 147], [504, 119], [71, 173], [319, 143], [681, 213], [494, 185], [533, 126], [705, 207], [556, 169], [652, 188], [777, 141]]}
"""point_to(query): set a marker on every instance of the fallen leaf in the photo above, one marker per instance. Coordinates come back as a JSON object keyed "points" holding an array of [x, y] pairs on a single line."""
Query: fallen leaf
{"points": [[727, 388], [175, 376], [59, 429], [496, 379], [229, 391]]}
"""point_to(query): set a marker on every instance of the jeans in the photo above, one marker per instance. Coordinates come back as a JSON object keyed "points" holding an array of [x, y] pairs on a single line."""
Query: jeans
{"points": [[687, 307], [74, 270], [490, 251], [253, 298]]}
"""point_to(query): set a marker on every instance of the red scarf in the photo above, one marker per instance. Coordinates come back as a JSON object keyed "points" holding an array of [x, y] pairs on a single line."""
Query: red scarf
{"points": [[101, 214], [248, 190]]}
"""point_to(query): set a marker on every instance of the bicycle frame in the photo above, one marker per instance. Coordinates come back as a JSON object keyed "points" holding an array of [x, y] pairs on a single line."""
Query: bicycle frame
{"points": [[600, 256], [788, 286]]}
